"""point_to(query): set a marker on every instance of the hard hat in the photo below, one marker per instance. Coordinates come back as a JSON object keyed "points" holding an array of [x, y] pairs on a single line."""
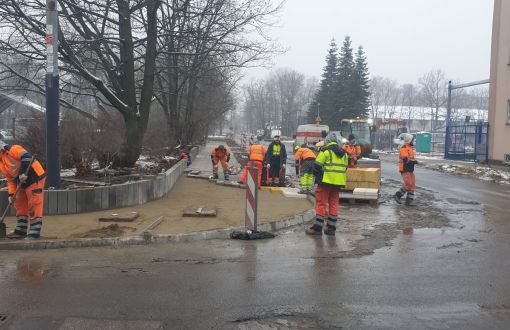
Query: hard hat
{"points": [[406, 137], [296, 148]]}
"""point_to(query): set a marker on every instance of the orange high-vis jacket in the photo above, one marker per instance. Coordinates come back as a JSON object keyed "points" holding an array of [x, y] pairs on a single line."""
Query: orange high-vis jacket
{"points": [[257, 152], [406, 158], [10, 163], [216, 153], [354, 151], [304, 153]]}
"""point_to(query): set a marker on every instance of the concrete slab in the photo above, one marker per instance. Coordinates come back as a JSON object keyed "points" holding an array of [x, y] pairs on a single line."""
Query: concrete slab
{"points": [[199, 212], [116, 217], [292, 193]]}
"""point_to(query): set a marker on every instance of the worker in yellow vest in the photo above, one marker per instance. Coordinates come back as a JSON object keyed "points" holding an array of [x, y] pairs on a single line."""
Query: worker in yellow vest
{"points": [[330, 169], [275, 160]]}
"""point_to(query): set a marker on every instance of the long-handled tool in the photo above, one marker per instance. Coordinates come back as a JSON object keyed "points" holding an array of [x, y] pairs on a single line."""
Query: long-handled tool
{"points": [[3, 228]]}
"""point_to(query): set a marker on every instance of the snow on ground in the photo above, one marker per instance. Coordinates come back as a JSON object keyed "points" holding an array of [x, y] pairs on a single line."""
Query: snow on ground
{"points": [[480, 172], [67, 173]]}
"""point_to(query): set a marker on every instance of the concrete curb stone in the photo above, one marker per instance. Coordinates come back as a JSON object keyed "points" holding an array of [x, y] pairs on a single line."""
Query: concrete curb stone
{"points": [[154, 239]]}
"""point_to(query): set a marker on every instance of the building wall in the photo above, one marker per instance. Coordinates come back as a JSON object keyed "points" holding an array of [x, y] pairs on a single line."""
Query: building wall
{"points": [[499, 116]]}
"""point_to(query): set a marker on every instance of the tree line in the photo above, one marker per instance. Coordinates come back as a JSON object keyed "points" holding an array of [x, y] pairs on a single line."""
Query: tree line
{"points": [[124, 62], [424, 99]]}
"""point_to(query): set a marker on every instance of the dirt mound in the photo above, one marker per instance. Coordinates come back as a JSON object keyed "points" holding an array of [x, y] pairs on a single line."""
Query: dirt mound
{"points": [[113, 230]]}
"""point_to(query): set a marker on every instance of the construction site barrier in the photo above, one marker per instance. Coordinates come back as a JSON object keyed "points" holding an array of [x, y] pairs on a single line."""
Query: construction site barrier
{"points": [[110, 197], [250, 220]]}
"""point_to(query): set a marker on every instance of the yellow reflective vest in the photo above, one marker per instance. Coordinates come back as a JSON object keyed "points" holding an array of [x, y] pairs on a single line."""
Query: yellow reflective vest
{"points": [[333, 167]]}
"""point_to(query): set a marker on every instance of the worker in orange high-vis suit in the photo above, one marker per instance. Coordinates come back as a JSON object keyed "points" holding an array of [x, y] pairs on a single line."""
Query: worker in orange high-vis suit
{"points": [[406, 168], [256, 154], [305, 158], [29, 200], [220, 154], [353, 151]]}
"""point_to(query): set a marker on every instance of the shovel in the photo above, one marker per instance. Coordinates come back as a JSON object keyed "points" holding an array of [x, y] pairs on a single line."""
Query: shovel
{"points": [[3, 228]]}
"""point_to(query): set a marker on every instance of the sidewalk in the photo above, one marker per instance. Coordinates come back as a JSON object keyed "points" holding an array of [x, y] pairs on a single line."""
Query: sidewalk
{"points": [[188, 193]]}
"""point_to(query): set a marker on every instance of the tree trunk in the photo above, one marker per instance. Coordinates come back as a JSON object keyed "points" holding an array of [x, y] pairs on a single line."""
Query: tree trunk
{"points": [[135, 131]]}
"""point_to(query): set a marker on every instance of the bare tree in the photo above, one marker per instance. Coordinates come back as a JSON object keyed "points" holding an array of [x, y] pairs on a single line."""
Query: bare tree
{"points": [[206, 41], [107, 50], [434, 92]]}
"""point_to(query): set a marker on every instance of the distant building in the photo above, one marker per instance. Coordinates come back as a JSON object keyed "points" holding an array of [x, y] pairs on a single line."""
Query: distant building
{"points": [[499, 96]]}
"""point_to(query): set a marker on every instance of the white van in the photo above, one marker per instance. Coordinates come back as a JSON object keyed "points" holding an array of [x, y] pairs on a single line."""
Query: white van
{"points": [[309, 134]]}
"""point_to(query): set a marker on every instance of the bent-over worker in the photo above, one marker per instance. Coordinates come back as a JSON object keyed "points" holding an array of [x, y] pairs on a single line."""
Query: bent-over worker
{"points": [[29, 199], [220, 154], [305, 158]]}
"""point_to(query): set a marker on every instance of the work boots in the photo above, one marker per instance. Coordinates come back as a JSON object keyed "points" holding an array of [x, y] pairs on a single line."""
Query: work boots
{"points": [[398, 195], [215, 176], [21, 228], [313, 231], [35, 229]]}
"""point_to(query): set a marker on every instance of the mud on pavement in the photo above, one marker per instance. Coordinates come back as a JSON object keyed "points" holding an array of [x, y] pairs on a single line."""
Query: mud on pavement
{"points": [[368, 228]]}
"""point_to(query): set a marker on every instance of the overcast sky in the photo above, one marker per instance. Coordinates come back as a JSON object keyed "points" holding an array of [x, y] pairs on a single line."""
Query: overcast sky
{"points": [[403, 39]]}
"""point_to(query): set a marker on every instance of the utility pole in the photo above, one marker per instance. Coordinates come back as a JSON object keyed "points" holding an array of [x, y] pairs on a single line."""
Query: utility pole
{"points": [[52, 96]]}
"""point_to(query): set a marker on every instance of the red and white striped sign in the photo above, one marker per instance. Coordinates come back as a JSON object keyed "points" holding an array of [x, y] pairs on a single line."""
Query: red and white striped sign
{"points": [[250, 220]]}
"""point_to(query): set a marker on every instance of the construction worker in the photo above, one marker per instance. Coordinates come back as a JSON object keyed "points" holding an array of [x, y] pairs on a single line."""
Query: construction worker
{"points": [[406, 168], [353, 150], [329, 170], [220, 154], [28, 200], [305, 158], [275, 160], [256, 155]]}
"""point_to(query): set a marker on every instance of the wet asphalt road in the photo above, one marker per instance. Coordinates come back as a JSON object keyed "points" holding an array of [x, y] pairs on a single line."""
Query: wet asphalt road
{"points": [[449, 278]]}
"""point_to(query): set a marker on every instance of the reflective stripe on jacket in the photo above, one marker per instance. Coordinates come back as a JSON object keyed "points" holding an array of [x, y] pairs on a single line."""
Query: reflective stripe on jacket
{"points": [[11, 158], [406, 159], [257, 152], [333, 167]]}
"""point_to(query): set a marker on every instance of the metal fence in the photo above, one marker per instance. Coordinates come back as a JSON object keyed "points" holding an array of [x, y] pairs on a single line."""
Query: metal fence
{"points": [[467, 142]]}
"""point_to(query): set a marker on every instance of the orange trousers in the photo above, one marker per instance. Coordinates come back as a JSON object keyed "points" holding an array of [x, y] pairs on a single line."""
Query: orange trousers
{"points": [[409, 181], [326, 201], [251, 163], [30, 201], [223, 161]]}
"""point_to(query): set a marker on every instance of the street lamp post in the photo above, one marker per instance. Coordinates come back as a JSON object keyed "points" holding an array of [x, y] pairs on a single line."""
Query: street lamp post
{"points": [[52, 95]]}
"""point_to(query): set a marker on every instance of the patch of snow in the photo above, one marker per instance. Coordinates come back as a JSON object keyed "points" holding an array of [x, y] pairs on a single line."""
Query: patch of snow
{"points": [[69, 172], [146, 163]]}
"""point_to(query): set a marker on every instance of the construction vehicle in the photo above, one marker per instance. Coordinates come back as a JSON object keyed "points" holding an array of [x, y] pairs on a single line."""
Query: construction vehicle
{"points": [[363, 130]]}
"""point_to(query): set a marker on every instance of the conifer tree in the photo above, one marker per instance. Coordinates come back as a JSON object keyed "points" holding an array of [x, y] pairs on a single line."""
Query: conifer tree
{"points": [[324, 98], [345, 85], [361, 92]]}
